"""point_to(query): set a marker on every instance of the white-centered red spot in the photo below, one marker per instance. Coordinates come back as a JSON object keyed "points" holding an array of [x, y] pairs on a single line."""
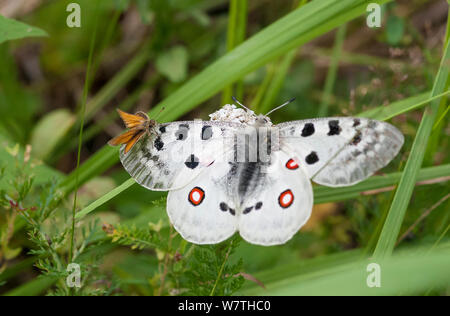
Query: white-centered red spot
{"points": [[196, 196], [292, 164], [286, 198]]}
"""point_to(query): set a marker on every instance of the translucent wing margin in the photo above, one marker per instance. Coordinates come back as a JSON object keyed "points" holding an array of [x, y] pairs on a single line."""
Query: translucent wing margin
{"points": [[341, 151]]}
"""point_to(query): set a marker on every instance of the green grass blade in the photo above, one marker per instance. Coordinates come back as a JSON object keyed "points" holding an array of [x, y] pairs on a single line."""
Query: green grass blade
{"points": [[12, 29], [80, 136], [323, 194], [276, 82], [409, 273], [105, 198], [32, 288], [273, 83], [237, 23], [391, 228], [438, 129], [384, 113], [332, 71]]}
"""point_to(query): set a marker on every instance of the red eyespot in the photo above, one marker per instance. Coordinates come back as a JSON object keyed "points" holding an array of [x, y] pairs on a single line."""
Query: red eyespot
{"points": [[286, 198], [196, 196], [291, 164]]}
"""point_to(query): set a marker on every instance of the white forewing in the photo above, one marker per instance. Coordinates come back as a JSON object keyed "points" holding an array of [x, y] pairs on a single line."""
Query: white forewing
{"points": [[203, 211], [276, 211], [341, 151], [188, 147]]}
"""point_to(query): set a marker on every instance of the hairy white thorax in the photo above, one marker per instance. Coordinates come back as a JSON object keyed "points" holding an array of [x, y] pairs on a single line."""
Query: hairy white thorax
{"points": [[231, 113]]}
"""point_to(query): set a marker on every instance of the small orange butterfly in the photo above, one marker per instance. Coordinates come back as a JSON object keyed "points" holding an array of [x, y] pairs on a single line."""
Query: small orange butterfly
{"points": [[138, 124]]}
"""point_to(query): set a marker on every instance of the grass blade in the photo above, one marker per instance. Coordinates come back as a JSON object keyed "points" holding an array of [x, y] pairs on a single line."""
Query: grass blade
{"points": [[384, 113], [408, 273], [392, 225], [237, 23], [80, 136], [12, 29], [332, 70]]}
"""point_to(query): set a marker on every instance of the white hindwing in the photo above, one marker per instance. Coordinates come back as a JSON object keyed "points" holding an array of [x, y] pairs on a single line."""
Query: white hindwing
{"points": [[190, 146], [341, 151], [212, 207], [196, 210], [280, 207]]}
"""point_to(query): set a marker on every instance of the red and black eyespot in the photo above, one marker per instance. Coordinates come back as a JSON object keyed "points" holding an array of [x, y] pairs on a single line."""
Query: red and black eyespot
{"points": [[291, 164], [196, 196], [286, 198]]}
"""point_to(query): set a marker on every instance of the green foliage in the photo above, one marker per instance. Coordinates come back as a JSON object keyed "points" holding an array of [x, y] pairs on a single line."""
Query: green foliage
{"points": [[136, 238], [183, 270], [209, 271], [12, 29], [173, 64], [48, 229]]}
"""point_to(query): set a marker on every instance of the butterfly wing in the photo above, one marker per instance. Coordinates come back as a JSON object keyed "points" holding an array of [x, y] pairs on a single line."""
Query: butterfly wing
{"points": [[133, 120], [279, 205], [190, 146], [201, 211], [340, 151]]}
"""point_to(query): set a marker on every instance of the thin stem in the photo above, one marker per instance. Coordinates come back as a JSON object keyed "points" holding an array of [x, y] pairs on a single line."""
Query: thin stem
{"points": [[422, 217], [80, 136], [221, 269]]}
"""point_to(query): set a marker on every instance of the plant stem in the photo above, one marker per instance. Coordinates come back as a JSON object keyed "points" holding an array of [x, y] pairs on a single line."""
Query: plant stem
{"points": [[80, 136], [221, 269]]}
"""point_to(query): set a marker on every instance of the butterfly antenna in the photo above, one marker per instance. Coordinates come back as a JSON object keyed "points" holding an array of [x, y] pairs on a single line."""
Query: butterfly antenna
{"points": [[236, 100], [280, 106]]}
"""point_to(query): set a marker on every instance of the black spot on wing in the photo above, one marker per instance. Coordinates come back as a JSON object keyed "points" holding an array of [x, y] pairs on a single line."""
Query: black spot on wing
{"points": [[232, 211], [312, 158], [223, 206], [356, 122], [192, 162], [247, 210], [206, 132], [159, 143], [258, 205], [182, 132], [162, 129], [335, 129], [308, 130], [357, 138]]}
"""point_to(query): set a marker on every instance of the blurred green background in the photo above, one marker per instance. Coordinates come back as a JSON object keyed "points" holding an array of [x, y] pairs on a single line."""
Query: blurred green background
{"points": [[186, 55]]}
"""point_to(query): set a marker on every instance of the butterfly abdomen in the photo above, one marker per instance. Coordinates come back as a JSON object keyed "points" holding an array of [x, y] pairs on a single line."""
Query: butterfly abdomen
{"points": [[251, 177]]}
